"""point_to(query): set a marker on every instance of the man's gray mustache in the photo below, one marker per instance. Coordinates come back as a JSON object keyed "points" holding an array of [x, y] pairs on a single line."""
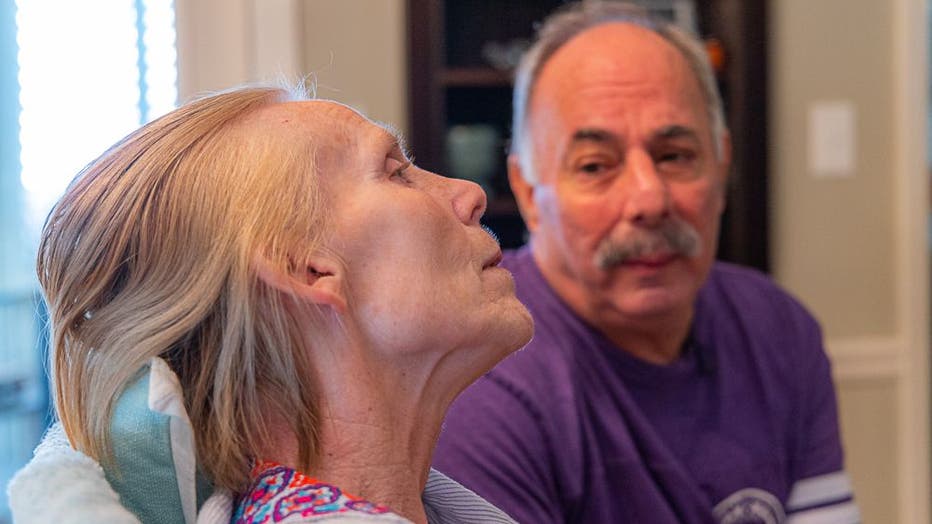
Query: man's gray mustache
{"points": [[674, 236]]}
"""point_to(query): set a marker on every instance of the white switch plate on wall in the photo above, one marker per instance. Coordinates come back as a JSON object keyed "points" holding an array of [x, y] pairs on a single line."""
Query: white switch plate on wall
{"points": [[832, 138]]}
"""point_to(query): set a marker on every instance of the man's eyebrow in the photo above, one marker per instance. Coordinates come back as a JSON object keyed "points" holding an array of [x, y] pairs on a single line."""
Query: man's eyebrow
{"points": [[592, 135], [676, 131]]}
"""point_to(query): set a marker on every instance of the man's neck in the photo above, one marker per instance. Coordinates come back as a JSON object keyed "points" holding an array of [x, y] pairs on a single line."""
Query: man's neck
{"points": [[657, 342]]}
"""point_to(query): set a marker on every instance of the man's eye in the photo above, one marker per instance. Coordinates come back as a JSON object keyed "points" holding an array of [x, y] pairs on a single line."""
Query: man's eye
{"points": [[593, 167], [676, 157]]}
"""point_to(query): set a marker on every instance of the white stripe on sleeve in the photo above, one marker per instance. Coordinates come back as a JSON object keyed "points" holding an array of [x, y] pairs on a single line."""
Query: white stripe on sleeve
{"points": [[844, 513], [820, 490]]}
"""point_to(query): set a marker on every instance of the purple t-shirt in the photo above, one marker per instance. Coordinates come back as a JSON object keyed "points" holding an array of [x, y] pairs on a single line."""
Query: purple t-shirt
{"points": [[741, 428]]}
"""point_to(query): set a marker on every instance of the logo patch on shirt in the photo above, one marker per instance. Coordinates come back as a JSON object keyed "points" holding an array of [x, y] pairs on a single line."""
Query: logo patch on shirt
{"points": [[750, 506]]}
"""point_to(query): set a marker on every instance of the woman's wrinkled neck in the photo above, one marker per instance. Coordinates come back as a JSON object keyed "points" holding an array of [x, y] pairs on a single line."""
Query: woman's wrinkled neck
{"points": [[379, 422]]}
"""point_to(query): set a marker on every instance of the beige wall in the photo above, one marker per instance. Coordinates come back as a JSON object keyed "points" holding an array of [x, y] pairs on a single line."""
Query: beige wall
{"points": [[224, 43], [827, 230], [869, 418], [353, 50], [215, 43], [356, 50], [854, 248]]}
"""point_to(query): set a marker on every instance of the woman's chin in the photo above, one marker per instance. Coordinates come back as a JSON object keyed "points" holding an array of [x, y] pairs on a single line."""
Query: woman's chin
{"points": [[514, 332], [524, 329]]}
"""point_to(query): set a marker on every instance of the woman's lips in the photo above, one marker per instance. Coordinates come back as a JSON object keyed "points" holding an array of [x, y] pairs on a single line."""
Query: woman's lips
{"points": [[493, 261]]}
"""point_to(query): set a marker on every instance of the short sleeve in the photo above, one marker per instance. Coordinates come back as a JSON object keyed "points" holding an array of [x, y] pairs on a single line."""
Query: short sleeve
{"points": [[494, 443], [821, 491]]}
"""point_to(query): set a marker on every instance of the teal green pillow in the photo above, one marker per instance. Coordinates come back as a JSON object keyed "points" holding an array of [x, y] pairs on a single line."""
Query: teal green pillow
{"points": [[156, 474]]}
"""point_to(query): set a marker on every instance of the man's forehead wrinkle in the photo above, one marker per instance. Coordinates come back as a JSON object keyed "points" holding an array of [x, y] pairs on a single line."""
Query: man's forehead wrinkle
{"points": [[607, 84], [604, 85], [616, 68], [619, 96]]}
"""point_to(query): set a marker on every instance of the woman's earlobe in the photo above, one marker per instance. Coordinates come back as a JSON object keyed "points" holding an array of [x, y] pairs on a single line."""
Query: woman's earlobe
{"points": [[325, 287], [318, 281]]}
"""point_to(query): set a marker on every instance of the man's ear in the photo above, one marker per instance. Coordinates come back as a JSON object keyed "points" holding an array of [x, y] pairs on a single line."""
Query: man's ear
{"points": [[724, 166], [318, 280], [725, 160], [523, 192]]}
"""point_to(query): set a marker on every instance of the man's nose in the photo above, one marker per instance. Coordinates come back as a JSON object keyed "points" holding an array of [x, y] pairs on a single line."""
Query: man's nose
{"points": [[647, 203]]}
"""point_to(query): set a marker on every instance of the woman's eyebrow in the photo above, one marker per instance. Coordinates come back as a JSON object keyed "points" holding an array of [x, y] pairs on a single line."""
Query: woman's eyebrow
{"points": [[397, 138]]}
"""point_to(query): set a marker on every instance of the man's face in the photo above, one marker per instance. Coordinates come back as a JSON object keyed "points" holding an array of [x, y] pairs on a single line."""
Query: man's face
{"points": [[625, 212]]}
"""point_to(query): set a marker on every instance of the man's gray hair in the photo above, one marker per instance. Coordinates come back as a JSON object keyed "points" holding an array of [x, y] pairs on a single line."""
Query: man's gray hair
{"points": [[573, 19]]}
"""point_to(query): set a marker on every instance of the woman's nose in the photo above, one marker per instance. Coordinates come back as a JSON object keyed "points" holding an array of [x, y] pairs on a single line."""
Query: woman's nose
{"points": [[468, 200]]}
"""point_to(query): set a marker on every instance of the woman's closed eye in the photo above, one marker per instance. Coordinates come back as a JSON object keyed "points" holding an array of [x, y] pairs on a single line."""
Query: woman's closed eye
{"points": [[397, 170]]}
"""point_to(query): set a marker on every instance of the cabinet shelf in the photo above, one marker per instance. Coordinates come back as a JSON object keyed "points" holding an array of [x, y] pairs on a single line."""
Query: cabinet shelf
{"points": [[501, 206], [475, 77]]}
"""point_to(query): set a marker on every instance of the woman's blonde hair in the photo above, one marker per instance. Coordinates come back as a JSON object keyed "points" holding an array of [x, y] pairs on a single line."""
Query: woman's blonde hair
{"points": [[150, 252]]}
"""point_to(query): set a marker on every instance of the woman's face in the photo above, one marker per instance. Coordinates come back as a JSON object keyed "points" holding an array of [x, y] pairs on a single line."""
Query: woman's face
{"points": [[421, 273]]}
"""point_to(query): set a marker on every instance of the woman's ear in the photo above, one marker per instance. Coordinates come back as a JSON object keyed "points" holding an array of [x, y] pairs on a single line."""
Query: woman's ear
{"points": [[318, 280]]}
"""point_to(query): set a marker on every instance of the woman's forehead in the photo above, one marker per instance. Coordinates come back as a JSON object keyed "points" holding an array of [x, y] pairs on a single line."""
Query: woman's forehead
{"points": [[324, 119]]}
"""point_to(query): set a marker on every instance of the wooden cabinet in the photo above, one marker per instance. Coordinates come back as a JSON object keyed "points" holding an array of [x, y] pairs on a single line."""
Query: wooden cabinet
{"points": [[453, 83]]}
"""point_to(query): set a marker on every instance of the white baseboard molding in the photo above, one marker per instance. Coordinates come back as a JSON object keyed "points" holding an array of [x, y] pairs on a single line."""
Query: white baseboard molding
{"points": [[866, 358]]}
